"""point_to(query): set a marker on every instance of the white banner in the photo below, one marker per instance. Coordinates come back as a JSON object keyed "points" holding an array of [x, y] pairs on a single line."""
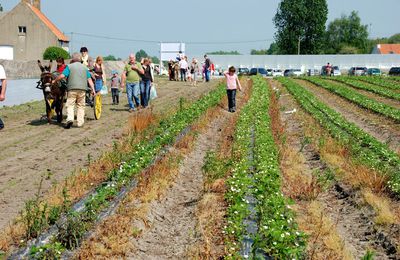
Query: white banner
{"points": [[172, 47]]}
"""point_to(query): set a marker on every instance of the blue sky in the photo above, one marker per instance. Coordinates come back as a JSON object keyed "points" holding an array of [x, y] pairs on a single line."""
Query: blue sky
{"points": [[192, 21]]}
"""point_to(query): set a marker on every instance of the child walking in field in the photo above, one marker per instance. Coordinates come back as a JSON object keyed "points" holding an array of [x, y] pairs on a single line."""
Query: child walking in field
{"points": [[232, 84], [115, 83]]}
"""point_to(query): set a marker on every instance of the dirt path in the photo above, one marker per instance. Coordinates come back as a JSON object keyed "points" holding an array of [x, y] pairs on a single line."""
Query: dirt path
{"points": [[341, 204], [172, 231], [380, 127], [31, 149]]}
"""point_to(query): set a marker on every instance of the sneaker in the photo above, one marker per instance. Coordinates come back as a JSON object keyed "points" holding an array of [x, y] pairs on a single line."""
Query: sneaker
{"points": [[131, 110], [68, 125]]}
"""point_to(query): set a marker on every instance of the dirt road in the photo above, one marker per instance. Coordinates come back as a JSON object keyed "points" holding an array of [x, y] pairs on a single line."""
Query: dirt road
{"points": [[30, 149]]}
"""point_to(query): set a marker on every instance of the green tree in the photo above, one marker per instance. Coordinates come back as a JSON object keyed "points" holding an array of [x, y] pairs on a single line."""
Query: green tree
{"points": [[141, 54], [301, 21], [110, 58], [273, 49], [54, 52], [347, 31], [394, 38], [155, 60], [259, 52], [224, 53]]}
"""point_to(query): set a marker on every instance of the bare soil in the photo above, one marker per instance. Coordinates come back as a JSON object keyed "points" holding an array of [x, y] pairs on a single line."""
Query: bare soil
{"points": [[342, 204], [380, 127], [173, 231], [31, 149]]}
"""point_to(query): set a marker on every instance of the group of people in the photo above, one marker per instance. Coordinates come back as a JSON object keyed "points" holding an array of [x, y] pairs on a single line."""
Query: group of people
{"points": [[189, 72], [82, 74]]}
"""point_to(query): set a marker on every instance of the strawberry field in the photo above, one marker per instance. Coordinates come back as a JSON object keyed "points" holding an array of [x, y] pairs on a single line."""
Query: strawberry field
{"points": [[307, 168]]}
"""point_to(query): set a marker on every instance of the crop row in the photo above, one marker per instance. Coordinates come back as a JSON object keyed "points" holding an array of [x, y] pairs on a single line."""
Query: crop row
{"points": [[374, 89], [382, 82], [358, 98], [254, 188], [365, 148], [71, 232]]}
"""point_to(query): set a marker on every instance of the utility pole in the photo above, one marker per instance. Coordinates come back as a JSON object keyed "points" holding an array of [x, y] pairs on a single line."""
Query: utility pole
{"points": [[298, 46]]}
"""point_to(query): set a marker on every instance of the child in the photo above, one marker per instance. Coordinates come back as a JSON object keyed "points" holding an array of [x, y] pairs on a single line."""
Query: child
{"points": [[115, 83], [232, 83], [60, 65]]}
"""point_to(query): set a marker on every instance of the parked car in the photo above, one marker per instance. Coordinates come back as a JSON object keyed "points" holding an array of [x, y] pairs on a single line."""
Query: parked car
{"points": [[243, 71], [357, 71], [293, 73], [374, 72], [255, 71], [277, 73], [336, 71], [394, 71], [312, 72], [270, 72]]}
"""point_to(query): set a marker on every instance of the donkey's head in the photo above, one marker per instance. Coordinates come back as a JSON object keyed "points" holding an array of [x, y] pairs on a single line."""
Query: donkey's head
{"points": [[45, 68]]}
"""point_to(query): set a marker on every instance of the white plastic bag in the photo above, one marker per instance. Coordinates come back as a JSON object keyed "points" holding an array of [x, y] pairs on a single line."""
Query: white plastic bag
{"points": [[153, 92], [104, 90]]}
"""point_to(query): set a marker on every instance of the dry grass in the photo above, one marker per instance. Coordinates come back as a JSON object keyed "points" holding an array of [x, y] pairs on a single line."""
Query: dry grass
{"points": [[324, 242], [153, 185], [381, 205]]}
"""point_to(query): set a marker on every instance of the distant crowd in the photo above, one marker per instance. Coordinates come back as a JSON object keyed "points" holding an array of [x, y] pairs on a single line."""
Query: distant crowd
{"points": [[85, 77]]}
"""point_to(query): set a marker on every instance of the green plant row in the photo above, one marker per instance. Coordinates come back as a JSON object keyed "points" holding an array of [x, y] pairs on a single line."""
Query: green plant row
{"points": [[357, 98], [71, 232], [364, 148], [259, 177], [382, 82], [383, 91]]}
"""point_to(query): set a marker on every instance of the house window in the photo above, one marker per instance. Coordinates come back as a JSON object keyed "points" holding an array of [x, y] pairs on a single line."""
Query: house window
{"points": [[22, 29]]}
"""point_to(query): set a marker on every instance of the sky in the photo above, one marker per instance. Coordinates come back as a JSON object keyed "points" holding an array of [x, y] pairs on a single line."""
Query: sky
{"points": [[204, 25]]}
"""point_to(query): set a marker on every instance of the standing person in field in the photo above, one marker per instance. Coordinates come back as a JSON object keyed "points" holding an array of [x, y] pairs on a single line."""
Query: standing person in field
{"points": [[3, 87], [99, 74], [194, 70], [78, 79], [145, 83], [183, 65], [232, 83], [115, 84], [131, 78], [207, 68]]}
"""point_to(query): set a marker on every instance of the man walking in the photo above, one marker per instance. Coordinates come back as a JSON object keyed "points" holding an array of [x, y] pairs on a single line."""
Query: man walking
{"points": [[131, 77], [183, 65], [3, 87], [207, 65], [78, 78]]}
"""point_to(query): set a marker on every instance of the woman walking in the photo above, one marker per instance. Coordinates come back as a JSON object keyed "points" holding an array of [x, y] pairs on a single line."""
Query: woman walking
{"points": [[145, 83], [100, 76], [194, 70]]}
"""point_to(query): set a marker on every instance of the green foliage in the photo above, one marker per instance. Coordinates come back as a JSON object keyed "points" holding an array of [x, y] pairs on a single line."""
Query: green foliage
{"points": [[155, 60], [259, 176], [214, 167], [273, 49], [301, 20], [382, 82], [364, 148], [50, 251], [141, 54], [224, 53], [347, 31], [259, 52], [348, 50], [54, 52], [111, 58]]}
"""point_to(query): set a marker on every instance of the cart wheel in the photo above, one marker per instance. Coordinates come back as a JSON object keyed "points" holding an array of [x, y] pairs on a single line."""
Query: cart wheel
{"points": [[97, 106]]}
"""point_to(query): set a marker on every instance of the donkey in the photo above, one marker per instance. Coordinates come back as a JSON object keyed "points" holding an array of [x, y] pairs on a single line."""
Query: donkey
{"points": [[53, 94]]}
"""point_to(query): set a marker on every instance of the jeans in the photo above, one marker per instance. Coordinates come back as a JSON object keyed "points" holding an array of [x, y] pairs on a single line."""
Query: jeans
{"points": [[115, 95], [183, 74], [207, 74], [133, 91], [231, 99], [76, 97], [145, 86]]}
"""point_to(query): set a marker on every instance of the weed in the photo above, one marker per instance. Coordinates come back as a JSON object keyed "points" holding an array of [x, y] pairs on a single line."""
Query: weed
{"points": [[304, 142], [214, 168], [72, 231], [369, 255]]}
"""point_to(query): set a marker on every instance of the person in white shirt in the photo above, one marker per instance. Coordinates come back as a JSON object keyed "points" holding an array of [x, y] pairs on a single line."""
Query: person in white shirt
{"points": [[183, 65], [3, 87]]}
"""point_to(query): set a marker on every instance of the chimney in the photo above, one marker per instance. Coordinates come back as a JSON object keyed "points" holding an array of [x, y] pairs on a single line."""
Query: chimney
{"points": [[35, 3]]}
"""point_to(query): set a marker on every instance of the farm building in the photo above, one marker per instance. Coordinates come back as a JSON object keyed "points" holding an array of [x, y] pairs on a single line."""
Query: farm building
{"points": [[25, 32], [386, 49]]}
